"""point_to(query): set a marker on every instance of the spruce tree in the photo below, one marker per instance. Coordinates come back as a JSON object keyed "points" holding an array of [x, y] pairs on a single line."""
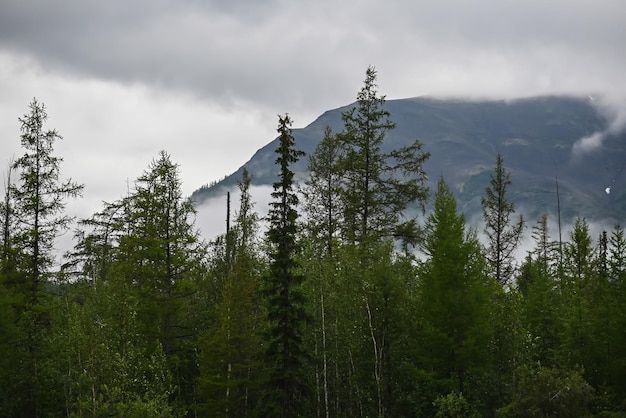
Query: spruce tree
{"points": [[286, 387]]}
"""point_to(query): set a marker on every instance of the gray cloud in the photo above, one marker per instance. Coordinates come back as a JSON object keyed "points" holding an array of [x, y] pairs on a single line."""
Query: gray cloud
{"points": [[614, 110], [204, 80], [302, 54]]}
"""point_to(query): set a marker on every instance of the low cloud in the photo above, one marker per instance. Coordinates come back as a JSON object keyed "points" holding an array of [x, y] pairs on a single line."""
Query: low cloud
{"points": [[588, 143], [614, 110], [211, 214]]}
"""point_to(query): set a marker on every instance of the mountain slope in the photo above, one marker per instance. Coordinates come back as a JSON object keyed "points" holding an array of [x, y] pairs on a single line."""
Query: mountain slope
{"points": [[535, 136]]}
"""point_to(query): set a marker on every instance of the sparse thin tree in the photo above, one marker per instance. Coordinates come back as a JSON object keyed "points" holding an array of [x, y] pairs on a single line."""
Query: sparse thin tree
{"points": [[322, 191], [503, 233]]}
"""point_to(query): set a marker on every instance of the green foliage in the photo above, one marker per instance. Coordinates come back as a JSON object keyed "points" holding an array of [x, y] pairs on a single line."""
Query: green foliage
{"points": [[377, 186], [503, 235], [330, 317], [453, 405], [322, 192], [286, 387], [544, 391], [32, 220], [454, 295], [229, 360]]}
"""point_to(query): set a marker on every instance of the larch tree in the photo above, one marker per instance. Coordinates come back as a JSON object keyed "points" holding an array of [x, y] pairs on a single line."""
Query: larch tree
{"points": [[453, 295], [617, 279], [322, 192], [503, 233], [286, 387], [229, 360], [164, 259], [377, 186], [575, 288], [36, 201], [322, 207], [540, 299]]}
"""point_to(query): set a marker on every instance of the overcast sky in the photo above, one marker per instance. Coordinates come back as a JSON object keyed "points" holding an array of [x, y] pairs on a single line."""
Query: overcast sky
{"points": [[205, 79]]}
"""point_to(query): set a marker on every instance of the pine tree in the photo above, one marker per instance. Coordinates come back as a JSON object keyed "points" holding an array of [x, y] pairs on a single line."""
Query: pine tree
{"points": [[503, 235], [286, 387]]}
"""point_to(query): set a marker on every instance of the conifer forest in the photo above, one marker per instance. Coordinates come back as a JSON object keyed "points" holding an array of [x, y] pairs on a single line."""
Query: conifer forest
{"points": [[362, 293]]}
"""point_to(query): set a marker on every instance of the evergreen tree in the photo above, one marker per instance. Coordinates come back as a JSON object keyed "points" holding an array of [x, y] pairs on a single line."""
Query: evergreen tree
{"points": [[142, 265], [377, 186], [578, 272], [617, 300], [454, 296], [503, 235], [229, 366], [322, 192], [35, 202], [165, 262], [540, 298], [373, 191], [286, 388]]}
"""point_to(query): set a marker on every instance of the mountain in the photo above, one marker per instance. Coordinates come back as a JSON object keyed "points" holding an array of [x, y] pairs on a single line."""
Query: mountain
{"points": [[539, 138]]}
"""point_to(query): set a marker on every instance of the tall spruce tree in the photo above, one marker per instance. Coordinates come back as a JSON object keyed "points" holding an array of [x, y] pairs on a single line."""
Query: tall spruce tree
{"points": [[286, 387], [502, 233]]}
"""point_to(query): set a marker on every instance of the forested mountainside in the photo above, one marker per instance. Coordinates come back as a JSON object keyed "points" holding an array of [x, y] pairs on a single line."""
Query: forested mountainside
{"points": [[338, 303], [537, 138]]}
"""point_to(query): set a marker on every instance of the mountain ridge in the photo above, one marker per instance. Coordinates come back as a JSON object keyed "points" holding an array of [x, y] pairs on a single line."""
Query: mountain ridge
{"points": [[536, 137]]}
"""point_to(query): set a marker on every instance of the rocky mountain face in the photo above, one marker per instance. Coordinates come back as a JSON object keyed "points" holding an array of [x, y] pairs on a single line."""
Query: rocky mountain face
{"points": [[543, 141]]}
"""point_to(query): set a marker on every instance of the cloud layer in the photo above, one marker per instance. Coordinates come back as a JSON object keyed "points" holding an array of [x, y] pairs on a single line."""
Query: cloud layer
{"points": [[204, 80]]}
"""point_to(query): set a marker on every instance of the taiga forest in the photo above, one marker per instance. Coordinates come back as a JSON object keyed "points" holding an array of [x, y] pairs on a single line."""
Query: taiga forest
{"points": [[364, 292]]}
